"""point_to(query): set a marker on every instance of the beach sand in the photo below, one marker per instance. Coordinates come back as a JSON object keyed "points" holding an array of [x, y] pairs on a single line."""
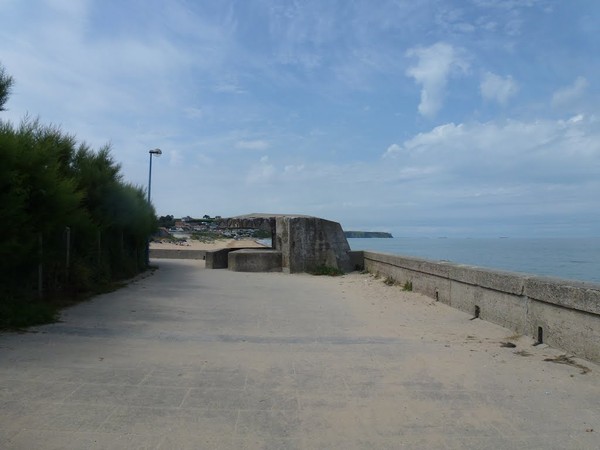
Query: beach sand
{"points": [[197, 245]]}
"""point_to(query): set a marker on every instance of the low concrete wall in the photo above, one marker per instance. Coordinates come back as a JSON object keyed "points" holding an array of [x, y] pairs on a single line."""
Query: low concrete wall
{"points": [[255, 260], [565, 313], [217, 259], [163, 253]]}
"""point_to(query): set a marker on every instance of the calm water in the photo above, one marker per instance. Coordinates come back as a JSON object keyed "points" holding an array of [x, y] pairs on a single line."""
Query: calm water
{"points": [[577, 258]]}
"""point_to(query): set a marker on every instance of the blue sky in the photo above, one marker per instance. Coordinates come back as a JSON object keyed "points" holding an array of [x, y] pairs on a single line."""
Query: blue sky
{"points": [[423, 118]]}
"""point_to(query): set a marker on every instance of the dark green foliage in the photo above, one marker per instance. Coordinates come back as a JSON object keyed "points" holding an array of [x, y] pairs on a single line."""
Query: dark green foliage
{"points": [[16, 314], [6, 83], [408, 286], [54, 191], [327, 270], [206, 236], [167, 221]]}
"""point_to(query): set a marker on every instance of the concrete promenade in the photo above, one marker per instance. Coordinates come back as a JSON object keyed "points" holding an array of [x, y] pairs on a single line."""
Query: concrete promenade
{"points": [[189, 358]]}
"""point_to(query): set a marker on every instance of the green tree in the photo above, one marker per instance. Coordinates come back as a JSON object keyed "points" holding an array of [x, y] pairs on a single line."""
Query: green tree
{"points": [[66, 210], [6, 83], [167, 221]]}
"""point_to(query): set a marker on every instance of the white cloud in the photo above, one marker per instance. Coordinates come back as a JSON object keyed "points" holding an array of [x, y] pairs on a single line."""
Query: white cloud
{"points": [[293, 168], [263, 172], [257, 144], [569, 94], [229, 88], [545, 151], [307, 69], [435, 65], [497, 88], [392, 150], [193, 113], [505, 4]]}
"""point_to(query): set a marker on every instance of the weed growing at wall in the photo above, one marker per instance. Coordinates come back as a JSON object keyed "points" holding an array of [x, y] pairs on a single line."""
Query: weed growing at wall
{"points": [[327, 270], [389, 281]]}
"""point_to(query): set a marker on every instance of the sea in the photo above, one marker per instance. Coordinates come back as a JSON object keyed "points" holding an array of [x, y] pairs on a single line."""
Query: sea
{"points": [[569, 258]]}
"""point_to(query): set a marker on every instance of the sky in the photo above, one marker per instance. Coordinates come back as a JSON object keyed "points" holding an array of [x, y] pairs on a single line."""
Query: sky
{"points": [[470, 118]]}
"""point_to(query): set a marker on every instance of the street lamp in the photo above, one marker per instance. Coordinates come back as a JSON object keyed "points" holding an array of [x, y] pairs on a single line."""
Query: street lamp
{"points": [[157, 152]]}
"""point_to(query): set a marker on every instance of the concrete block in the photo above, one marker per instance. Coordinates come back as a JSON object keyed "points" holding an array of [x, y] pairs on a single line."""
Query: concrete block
{"points": [[308, 242], [417, 264], [464, 297], [505, 309], [255, 260], [573, 331], [305, 242], [217, 259], [578, 295], [432, 286], [498, 280], [357, 259]]}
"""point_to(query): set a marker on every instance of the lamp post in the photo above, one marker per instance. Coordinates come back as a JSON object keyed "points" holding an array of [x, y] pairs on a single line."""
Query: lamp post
{"points": [[155, 152]]}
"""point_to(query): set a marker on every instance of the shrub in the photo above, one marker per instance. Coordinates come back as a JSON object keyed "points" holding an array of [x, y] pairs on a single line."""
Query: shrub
{"points": [[21, 313]]}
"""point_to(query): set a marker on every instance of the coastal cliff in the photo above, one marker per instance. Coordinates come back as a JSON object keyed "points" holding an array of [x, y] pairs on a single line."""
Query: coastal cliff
{"points": [[367, 234]]}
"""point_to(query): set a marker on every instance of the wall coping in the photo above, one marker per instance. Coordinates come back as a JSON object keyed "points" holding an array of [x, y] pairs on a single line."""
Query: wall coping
{"points": [[572, 294]]}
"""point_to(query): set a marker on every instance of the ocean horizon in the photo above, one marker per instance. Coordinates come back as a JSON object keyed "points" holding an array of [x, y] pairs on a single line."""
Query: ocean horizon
{"points": [[568, 258]]}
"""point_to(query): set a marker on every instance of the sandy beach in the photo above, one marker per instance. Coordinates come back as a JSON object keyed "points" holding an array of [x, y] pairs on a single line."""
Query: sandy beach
{"points": [[197, 245]]}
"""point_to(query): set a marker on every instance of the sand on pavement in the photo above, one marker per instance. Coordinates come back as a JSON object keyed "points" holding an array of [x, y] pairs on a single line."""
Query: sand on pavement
{"points": [[195, 358]]}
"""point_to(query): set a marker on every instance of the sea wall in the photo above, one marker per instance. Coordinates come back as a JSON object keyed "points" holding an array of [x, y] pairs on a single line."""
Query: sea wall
{"points": [[562, 313]]}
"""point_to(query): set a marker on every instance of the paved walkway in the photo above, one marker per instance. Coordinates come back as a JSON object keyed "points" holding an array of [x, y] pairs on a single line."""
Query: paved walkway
{"points": [[198, 359]]}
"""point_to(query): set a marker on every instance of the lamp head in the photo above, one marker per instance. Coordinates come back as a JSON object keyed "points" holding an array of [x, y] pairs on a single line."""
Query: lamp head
{"points": [[156, 151]]}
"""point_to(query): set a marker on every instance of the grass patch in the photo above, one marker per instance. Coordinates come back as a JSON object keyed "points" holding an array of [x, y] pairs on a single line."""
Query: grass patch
{"points": [[206, 236], [407, 286], [513, 337], [327, 270], [389, 281], [16, 314]]}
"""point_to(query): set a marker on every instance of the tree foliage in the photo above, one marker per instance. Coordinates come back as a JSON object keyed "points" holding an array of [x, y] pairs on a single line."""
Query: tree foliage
{"points": [[6, 83], [66, 212], [167, 221]]}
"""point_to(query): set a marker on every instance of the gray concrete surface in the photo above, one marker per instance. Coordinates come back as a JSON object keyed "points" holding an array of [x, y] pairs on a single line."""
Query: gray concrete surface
{"points": [[212, 359]]}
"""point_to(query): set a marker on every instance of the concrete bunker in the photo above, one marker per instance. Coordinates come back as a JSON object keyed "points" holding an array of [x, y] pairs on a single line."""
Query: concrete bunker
{"points": [[299, 244]]}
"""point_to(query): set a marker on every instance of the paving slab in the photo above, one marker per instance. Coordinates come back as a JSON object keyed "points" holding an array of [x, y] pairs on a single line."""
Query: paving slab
{"points": [[211, 359]]}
